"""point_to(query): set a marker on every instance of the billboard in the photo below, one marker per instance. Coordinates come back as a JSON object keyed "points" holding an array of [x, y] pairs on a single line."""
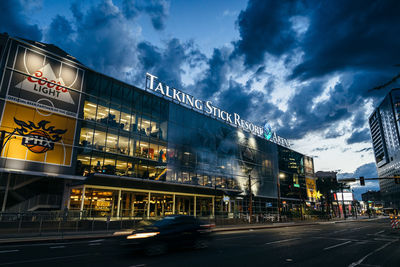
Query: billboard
{"points": [[42, 93], [42, 81], [346, 196], [37, 136], [311, 187]]}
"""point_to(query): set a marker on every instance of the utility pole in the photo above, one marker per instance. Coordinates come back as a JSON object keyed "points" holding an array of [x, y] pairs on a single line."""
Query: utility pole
{"points": [[278, 185], [343, 206]]}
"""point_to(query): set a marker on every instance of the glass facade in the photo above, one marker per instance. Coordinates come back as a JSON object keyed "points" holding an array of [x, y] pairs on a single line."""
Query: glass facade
{"points": [[384, 126], [123, 131], [129, 134]]}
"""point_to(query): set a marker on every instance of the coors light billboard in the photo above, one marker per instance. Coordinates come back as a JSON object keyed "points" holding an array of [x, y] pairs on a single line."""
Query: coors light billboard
{"points": [[45, 82]]}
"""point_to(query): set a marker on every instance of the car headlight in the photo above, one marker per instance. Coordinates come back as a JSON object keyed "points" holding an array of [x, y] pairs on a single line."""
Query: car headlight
{"points": [[142, 235]]}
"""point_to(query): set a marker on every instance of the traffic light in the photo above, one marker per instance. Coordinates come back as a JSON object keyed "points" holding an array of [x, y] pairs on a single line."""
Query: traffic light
{"points": [[397, 179], [362, 180]]}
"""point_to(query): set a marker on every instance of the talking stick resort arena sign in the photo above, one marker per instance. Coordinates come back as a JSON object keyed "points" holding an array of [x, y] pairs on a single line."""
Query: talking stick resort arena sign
{"points": [[175, 95], [41, 107]]}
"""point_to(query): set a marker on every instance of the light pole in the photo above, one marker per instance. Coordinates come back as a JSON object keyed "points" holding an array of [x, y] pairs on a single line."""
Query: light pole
{"points": [[278, 185], [250, 200]]}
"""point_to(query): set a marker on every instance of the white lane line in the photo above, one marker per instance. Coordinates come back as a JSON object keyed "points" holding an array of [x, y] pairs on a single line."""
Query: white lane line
{"points": [[57, 247], [338, 245], [380, 232], [7, 251], [369, 254], [280, 241], [385, 239], [94, 244], [96, 241]]}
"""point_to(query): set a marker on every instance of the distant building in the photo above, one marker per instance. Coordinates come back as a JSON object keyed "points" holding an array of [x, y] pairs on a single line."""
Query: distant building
{"points": [[371, 196], [329, 175], [384, 126]]}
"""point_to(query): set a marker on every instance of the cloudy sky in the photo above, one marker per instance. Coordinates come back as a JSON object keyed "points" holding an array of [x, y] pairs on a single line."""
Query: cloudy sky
{"points": [[306, 67]]}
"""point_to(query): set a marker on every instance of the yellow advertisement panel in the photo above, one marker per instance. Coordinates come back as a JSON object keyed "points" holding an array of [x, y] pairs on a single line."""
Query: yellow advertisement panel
{"points": [[37, 135], [311, 187]]}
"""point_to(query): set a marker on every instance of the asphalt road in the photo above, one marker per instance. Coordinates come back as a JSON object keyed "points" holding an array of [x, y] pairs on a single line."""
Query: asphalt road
{"points": [[362, 243]]}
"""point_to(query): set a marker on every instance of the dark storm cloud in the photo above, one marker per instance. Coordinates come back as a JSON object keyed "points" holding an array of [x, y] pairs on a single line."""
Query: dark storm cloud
{"points": [[240, 99], [333, 133], [356, 41], [15, 22], [346, 100], [215, 76], [359, 136], [345, 35], [319, 149], [167, 63], [156, 9], [60, 31], [104, 37], [367, 170], [367, 149], [265, 26]]}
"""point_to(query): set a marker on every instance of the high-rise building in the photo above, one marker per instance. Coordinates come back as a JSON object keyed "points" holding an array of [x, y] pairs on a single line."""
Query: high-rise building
{"points": [[384, 126]]}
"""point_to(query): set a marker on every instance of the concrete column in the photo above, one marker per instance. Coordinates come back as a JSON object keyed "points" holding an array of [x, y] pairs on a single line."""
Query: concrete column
{"points": [[3, 208], [148, 206], [173, 204], [194, 206], [119, 203], [82, 201]]}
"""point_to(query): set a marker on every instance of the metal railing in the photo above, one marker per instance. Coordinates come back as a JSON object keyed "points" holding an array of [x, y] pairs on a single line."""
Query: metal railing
{"points": [[42, 201]]}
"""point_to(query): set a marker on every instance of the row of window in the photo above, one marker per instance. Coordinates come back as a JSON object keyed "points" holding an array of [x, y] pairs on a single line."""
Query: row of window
{"points": [[108, 164], [125, 120], [118, 94], [141, 147]]}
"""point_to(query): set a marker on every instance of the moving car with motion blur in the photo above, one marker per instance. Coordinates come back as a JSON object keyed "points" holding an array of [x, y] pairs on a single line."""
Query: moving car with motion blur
{"points": [[171, 232]]}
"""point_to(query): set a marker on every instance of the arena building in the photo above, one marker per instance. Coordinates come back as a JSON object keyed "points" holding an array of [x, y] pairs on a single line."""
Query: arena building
{"points": [[75, 139]]}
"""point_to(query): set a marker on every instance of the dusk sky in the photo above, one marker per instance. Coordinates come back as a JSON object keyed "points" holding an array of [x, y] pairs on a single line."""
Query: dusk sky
{"points": [[306, 67]]}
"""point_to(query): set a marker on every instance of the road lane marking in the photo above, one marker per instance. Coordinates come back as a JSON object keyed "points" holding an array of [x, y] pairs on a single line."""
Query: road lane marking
{"points": [[57, 247], [96, 241], [338, 245], [369, 254], [7, 251], [233, 237], [94, 244], [380, 232], [385, 239], [281, 241]]}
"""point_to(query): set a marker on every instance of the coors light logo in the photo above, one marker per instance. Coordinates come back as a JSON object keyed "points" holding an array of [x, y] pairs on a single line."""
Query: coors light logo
{"points": [[38, 138], [46, 83]]}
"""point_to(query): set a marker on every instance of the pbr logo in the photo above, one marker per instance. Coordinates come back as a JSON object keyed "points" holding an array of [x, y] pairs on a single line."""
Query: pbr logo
{"points": [[38, 138]]}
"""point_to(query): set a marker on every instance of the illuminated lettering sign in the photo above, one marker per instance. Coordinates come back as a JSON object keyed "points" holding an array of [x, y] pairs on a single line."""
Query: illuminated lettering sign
{"points": [[208, 108]]}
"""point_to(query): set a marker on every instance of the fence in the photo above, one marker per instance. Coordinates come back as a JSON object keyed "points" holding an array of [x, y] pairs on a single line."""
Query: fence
{"points": [[58, 222]]}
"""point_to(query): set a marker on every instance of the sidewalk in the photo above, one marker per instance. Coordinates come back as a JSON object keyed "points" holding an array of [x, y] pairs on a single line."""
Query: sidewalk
{"points": [[57, 236]]}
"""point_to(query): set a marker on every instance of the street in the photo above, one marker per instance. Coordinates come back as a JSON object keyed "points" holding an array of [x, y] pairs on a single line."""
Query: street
{"points": [[361, 243]]}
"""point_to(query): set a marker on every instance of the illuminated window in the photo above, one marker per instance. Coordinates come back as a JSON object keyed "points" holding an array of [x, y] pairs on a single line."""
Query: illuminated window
{"points": [[123, 145], [99, 140], [89, 111], [86, 138], [111, 143]]}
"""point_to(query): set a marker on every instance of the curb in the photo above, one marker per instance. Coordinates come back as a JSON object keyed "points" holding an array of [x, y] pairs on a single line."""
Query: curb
{"points": [[260, 227], [5, 241]]}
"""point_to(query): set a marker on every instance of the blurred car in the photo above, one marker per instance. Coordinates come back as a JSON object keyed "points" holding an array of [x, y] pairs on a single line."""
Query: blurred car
{"points": [[171, 232]]}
